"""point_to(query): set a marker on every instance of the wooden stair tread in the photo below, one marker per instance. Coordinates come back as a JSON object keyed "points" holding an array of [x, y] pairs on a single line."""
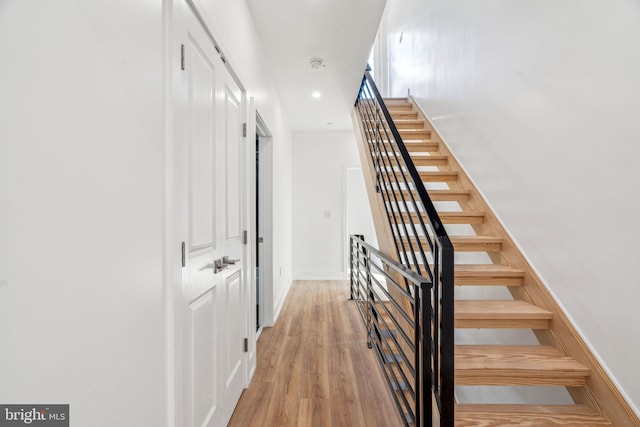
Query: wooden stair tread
{"points": [[420, 145], [423, 160], [402, 123], [499, 308], [476, 243], [500, 314], [519, 415], [413, 133], [537, 365], [487, 274], [430, 160], [403, 114], [438, 176], [397, 101], [445, 216], [435, 176], [398, 107], [449, 195], [442, 195], [462, 243]]}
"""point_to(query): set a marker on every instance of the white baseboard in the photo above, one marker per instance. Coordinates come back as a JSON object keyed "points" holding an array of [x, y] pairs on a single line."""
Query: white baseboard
{"points": [[312, 275], [280, 302]]}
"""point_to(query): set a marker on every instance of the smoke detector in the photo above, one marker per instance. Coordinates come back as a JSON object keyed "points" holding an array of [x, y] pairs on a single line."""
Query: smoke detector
{"points": [[316, 63]]}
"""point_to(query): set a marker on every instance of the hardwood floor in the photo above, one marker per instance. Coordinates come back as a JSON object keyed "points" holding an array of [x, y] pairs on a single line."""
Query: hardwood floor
{"points": [[314, 367]]}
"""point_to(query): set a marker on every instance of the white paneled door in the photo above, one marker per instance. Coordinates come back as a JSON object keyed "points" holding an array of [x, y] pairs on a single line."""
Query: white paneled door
{"points": [[237, 317], [211, 312]]}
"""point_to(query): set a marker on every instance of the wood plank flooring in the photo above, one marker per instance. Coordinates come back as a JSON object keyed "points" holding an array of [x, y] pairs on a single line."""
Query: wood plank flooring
{"points": [[314, 367]]}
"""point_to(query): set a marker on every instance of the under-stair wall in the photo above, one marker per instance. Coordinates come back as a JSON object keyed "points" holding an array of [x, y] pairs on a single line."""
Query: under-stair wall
{"points": [[542, 94]]}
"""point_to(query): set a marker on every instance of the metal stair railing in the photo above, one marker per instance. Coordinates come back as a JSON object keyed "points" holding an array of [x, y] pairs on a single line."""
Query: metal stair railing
{"points": [[423, 247], [381, 288]]}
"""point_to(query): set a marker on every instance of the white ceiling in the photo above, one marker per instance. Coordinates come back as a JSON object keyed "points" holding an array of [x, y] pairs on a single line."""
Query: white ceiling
{"points": [[339, 31]]}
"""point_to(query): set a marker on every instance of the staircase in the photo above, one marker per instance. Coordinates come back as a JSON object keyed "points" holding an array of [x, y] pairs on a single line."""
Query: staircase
{"points": [[560, 360]]}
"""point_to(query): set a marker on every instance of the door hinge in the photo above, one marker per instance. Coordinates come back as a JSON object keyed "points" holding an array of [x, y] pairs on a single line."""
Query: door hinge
{"points": [[244, 130], [245, 237], [182, 60], [246, 345], [184, 255]]}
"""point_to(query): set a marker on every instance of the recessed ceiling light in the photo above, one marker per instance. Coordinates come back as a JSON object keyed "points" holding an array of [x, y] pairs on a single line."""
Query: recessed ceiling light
{"points": [[316, 94]]}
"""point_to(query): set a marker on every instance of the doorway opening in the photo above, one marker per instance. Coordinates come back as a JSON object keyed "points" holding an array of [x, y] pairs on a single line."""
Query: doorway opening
{"points": [[263, 235], [258, 235]]}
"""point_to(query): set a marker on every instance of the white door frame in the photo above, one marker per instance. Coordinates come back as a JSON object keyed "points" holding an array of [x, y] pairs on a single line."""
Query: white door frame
{"points": [[257, 126], [266, 210]]}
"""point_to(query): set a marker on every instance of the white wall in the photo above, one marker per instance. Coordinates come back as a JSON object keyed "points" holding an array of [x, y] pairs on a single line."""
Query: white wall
{"points": [[358, 217], [320, 160], [81, 202], [539, 100]]}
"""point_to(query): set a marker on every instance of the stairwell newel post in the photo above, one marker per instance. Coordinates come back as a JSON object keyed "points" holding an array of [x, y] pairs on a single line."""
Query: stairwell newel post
{"points": [[370, 296], [436, 304], [418, 361], [426, 403], [351, 281], [447, 347]]}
